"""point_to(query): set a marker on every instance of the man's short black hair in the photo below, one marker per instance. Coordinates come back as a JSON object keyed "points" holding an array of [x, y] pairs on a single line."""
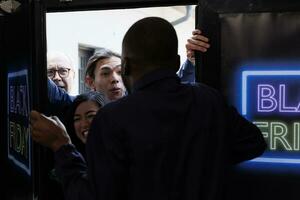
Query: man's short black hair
{"points": [[151, 41], [101, 53]]}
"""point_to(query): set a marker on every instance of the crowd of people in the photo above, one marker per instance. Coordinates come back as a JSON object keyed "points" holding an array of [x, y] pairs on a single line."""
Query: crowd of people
{"points": [[140, 133]]}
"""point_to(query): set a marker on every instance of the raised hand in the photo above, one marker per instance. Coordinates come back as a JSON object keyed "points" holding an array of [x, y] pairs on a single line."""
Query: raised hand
{"points": [[48, 131], [197, 42]]}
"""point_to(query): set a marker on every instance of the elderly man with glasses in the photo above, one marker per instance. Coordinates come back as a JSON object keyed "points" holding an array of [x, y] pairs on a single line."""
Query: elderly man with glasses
{"points": [[60, 70]]}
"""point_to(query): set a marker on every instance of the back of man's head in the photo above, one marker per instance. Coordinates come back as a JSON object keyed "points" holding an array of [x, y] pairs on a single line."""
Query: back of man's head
{"points": [[150, 43]]}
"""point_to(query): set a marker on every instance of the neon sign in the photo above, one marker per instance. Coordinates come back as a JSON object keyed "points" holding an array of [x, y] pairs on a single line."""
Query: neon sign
{"points": [[18, 136], [267, 102], [271, 100]]}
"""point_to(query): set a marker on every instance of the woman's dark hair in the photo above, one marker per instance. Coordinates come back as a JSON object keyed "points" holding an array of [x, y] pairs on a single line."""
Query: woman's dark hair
{"points": [[99, 54], [97, 97]]}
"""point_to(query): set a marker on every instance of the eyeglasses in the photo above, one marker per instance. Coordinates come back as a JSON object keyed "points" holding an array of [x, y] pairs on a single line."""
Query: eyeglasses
{"points": [[62, 72]]}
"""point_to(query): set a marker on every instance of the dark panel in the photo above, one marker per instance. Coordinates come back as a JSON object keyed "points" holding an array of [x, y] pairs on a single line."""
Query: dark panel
{"points": [[259, 48], [45, 187], [23, 47], [16, 57], [256, 39], [2, 110], [61, 5], [225, 6], [208, 65], [259, 42]]}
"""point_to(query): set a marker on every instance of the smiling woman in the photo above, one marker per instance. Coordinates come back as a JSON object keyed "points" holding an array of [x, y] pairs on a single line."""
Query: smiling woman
{"points": [[80, 116]]}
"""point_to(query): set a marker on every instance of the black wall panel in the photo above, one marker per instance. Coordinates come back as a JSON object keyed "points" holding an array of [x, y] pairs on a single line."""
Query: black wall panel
{"points": [[16, 57], [257, 45]]}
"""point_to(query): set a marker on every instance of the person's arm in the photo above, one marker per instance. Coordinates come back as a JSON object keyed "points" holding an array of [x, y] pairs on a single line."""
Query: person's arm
{"points": [[58, 96], [186, 72], [107, 158], [236, 137], [246, 141], [107, 173], [71, 167], [69, 164], [197, 42]]}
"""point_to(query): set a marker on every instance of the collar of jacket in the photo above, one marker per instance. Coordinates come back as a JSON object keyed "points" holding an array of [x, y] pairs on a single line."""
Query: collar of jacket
{"points": [[154, 76]]}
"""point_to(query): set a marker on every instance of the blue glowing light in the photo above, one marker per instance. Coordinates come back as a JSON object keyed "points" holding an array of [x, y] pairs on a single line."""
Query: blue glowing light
{"points": [[245, 77], [266, 97]]}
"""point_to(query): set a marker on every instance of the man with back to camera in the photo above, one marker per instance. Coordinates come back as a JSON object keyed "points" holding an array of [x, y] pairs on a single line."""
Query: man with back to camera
{"points": [[165, 140]]}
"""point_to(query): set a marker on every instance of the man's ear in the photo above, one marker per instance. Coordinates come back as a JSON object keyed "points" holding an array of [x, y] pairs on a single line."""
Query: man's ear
{"points": [[89, 81], [125, 67]]}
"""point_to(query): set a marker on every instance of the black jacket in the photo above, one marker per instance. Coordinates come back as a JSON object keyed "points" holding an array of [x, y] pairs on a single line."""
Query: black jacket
{"points": [[165, 141]]}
